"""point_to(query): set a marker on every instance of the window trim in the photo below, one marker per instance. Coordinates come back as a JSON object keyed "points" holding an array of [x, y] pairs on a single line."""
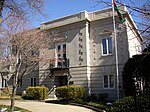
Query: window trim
{"points": [[33, 82], [3, 83], [61, 53], [109, 82], [106, 37]]}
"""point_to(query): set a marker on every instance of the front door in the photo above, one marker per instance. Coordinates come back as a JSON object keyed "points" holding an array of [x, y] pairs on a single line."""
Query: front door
{"points": [[62, 80]]}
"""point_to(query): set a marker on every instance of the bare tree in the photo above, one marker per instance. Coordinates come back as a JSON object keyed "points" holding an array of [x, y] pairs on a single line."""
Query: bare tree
{"points": [[19, 10], [20, 53], [19, 47], [139, 12], [146, 23]]}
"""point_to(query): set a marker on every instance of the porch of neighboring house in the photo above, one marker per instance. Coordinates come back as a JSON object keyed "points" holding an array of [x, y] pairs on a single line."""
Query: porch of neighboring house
{"points": [[3, 78]]}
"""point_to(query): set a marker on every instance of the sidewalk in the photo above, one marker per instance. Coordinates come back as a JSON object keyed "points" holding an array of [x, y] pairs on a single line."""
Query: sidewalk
{"points": [[36, 106]]}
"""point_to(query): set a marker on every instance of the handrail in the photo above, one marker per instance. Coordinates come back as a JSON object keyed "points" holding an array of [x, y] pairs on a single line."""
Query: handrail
{"points": [[52, 89]]}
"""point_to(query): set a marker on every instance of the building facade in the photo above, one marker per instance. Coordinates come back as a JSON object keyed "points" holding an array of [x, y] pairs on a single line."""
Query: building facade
{"points": [[84, 52]]}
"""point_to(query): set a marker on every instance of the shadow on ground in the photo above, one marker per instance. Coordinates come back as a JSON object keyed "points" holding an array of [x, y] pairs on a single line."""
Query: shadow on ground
{"points": [[58, 101]]}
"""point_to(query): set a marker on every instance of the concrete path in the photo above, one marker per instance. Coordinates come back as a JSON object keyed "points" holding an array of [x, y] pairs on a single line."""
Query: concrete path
{"points": [[36, 106]]}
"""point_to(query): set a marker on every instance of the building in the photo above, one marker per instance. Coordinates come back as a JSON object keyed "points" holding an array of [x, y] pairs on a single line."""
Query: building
{"points": [[84, 52]]}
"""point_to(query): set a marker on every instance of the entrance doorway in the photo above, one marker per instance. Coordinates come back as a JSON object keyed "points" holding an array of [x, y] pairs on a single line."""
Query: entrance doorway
{"points": [[61, 80]]}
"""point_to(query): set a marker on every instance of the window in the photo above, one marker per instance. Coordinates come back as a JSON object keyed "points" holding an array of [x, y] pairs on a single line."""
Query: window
{"points": [[59, 50], [61, 55], [107, 46], [64, 47], [34, 52], [33, 81], [19, 82], [108, 81], [3, 82], [64, 50]]}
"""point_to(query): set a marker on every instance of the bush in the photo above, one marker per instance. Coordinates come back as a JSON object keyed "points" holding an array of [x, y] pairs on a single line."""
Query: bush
{"points": [[7, 97], [36, 93], [103, 97], [97, 105], [92, 97], [144, 104], [144, 101], [123, 105], [127, 104], [5, 91], [70, 92]]}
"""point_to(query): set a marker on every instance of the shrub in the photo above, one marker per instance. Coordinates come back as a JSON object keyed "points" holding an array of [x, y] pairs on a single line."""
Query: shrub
{"points": [[123, 105], [36, 93], [92, 97], [97, 105], [103, 96], [7, 97], [127, 104], [70, 92], [144, 104], [144, 101], [5, 91]]}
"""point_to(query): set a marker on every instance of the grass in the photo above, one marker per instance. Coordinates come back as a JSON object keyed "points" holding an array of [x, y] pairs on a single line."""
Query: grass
{"points": [[99, 105], [16, 108]]}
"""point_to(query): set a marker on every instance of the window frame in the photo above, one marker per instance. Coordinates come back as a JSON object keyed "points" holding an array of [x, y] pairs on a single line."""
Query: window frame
{"points": [[60, 53], [107, 46], [109, 83], [3, 83], [33, 82]]}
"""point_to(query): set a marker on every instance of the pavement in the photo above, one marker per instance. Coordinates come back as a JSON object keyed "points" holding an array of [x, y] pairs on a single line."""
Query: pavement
{"points": [[36, 106]]}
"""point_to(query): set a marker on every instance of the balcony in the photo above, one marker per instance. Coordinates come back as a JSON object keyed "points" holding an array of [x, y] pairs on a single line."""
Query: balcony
{"points": [[59, 64]]}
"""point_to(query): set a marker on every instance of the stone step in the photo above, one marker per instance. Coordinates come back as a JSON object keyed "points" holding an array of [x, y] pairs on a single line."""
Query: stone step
{"points": [[52, 95]]}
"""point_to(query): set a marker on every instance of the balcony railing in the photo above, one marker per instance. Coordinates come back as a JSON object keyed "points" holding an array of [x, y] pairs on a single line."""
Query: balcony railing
{"points": [[59, 64]]}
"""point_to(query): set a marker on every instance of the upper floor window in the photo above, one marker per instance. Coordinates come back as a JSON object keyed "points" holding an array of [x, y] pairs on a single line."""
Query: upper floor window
{"points": [[61, 54], [107, 46], [59, 48], [64, 47]]}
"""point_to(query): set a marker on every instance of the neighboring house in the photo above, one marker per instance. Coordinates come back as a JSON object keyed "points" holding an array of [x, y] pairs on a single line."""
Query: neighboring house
{"points": [[84, 52]]}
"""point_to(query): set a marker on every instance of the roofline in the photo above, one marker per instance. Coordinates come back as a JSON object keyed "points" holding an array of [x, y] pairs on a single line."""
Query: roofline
{"points": [[134, 25], [59, 18], [125, 12], [84, 11]]}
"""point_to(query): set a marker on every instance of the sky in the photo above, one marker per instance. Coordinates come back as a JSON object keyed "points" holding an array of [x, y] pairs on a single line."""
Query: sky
{"points": [[55, 9]]}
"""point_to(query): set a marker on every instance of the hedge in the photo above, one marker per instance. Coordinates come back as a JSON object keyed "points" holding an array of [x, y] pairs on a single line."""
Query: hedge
{"points": [[125, 104], [37, 93], [7, 97], [70, 92]]}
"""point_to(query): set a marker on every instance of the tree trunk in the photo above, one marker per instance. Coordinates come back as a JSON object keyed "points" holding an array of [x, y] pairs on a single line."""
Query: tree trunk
{"points": [[1, 9], [1, 6], [13, 92], [12, 100]]}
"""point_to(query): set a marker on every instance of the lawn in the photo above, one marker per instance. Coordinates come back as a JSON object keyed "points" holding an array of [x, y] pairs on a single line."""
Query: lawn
{"points": [[16, 108]]}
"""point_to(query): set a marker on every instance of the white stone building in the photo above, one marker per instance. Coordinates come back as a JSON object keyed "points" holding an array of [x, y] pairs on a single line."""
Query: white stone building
{"points": [[88, 45]]}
